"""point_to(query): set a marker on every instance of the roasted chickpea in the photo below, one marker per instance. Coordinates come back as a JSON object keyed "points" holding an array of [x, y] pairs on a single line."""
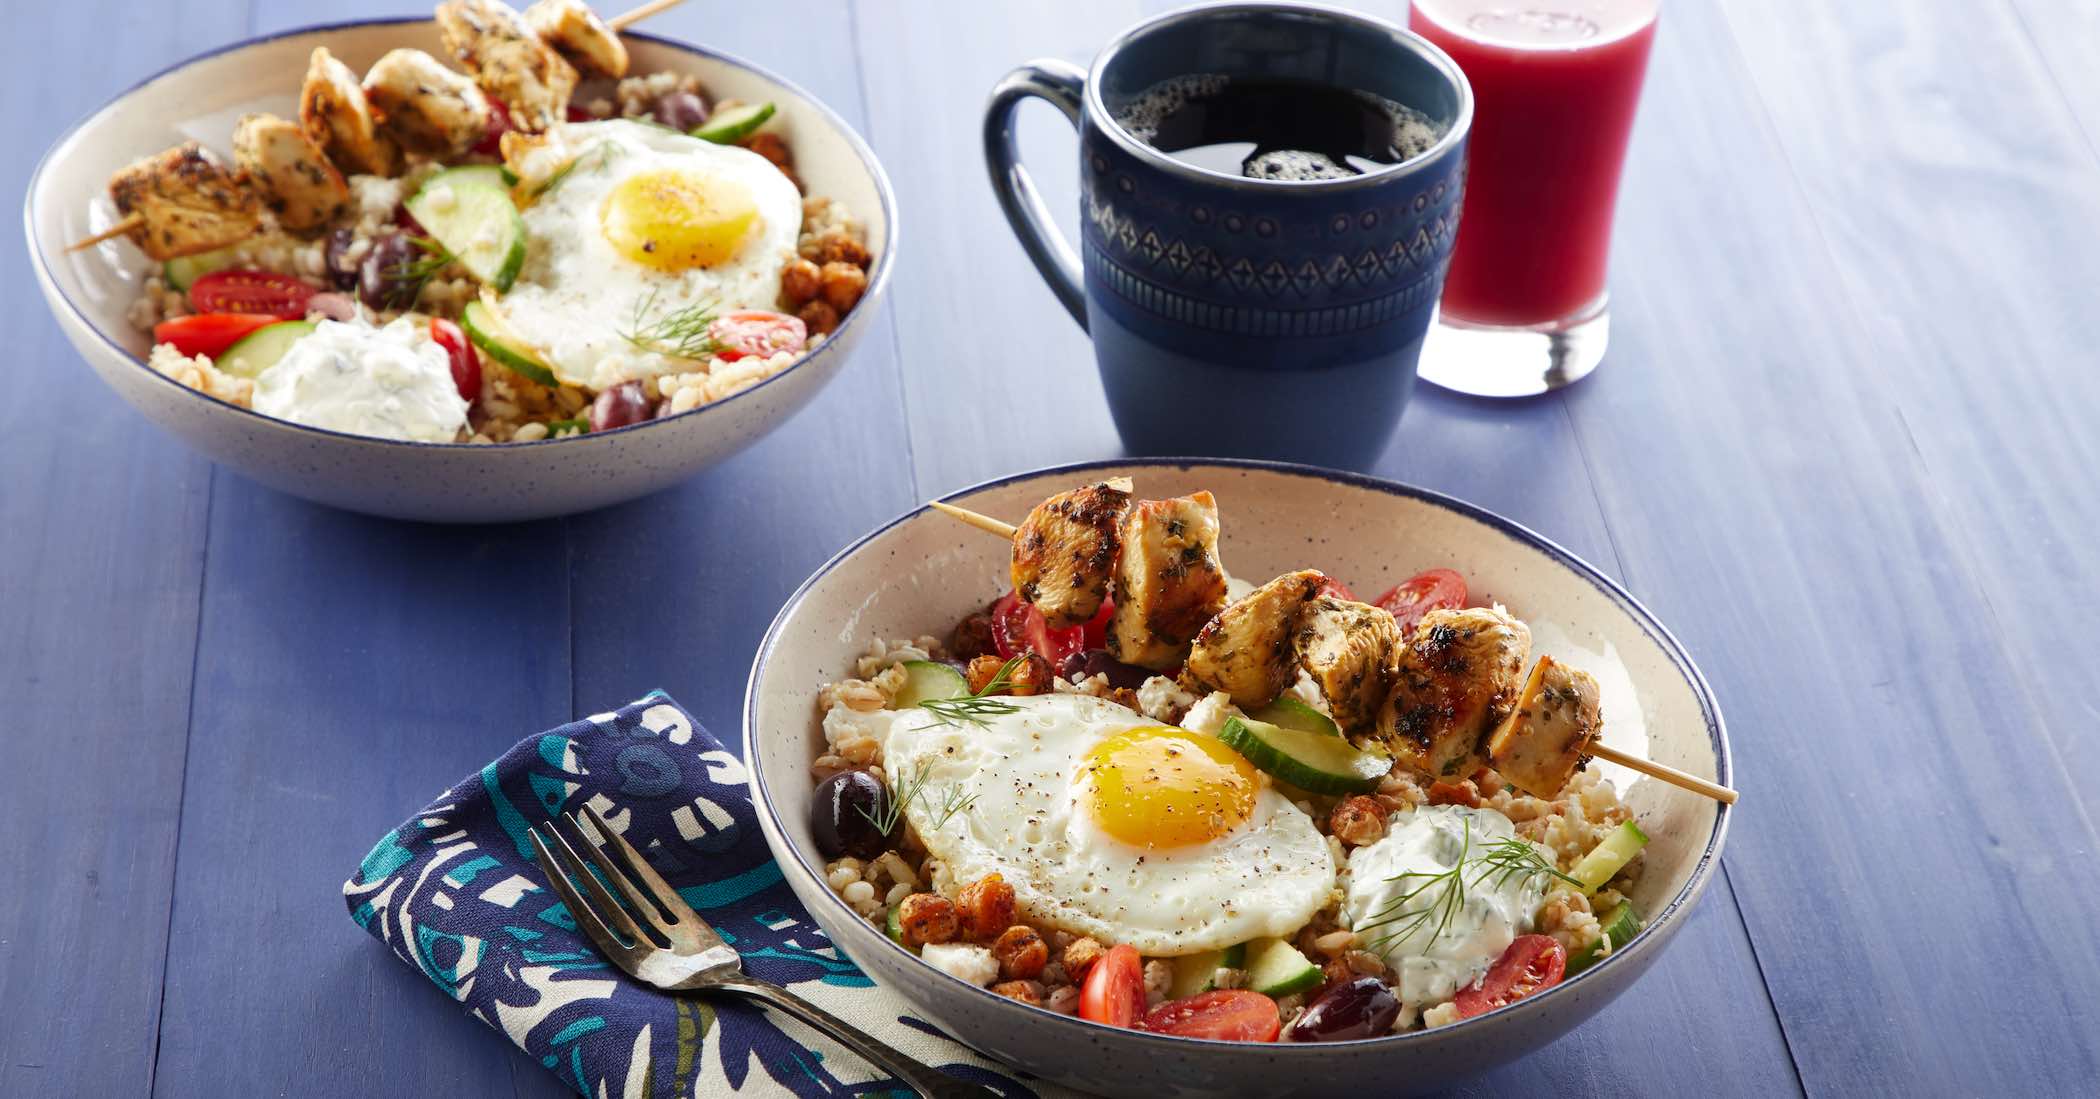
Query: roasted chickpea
{"points": [[1021, 952], [1080, 955], [1032, 676], [926, 918], [800, 282], [771, 146], [839, 247], [819, 317], [985, 908], [843, 285], [1459, 793], [1357, 821], [1028, 992]]}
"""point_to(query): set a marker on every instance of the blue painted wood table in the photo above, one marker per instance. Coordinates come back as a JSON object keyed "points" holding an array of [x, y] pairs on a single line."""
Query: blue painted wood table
{"points": [[1843, 444]]}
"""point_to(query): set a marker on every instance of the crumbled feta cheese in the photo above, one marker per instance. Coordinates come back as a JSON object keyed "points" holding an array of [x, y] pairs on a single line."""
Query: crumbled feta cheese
{"points": [[1162, 699], [974, 964]]}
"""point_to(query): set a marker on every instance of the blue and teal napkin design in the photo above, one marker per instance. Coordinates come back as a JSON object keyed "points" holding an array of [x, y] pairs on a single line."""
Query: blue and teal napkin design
{"points": [[455, 893]]}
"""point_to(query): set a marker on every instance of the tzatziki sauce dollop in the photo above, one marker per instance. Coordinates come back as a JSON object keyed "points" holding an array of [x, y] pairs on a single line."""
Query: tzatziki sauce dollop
{"points": [[1432, 949], [393, 383]]}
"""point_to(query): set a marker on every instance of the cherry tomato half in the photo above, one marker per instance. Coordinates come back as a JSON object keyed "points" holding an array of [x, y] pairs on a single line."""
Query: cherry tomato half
{"points": [[1018, 627], [263, 293], [1434, 589], [756, 332], [491, 143], [466, 363], [1231, 1015], [1114, 992], [209, 333], [1531, 963]]}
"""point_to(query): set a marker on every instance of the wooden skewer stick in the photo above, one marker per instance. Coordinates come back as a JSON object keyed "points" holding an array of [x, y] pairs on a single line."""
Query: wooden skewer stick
{"points": [[627, 19], [984, 523], [126, 225], [1671, 775]]}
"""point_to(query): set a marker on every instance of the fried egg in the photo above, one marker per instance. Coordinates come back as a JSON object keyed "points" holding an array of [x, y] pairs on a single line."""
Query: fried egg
{"points": [[1108, 824], [631, 226]]}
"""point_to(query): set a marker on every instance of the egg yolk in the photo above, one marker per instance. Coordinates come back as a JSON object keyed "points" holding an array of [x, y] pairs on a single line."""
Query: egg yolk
{"points": [[673, 220], [1165, 787]]}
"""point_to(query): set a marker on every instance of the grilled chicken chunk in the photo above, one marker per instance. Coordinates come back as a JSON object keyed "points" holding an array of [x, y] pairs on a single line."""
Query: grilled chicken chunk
{"points": [[576, 32], [1459, 674], [423, 105], [1065, 551], [294, 176], [1249, 650], [1168, 580], [1541, 744], [491, 40], [1349, 649], [333, 110], [187, 200]]}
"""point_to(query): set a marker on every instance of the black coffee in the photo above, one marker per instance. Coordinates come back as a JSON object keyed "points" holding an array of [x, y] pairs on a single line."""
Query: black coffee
{"points": [[1275, 129]]}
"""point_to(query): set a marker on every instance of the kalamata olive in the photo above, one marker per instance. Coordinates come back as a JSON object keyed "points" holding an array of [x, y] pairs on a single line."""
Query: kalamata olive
{"points": [[619, 406], [1347, 1010], [342, 266], [334, 306], [1092, 662], [681, 111], [385, 280], [844, 812]]}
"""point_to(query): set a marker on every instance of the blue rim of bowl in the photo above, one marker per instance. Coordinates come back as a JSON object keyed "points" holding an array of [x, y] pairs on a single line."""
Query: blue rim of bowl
{"points": [[1642, 943], [877, 282], [1461, 124]]}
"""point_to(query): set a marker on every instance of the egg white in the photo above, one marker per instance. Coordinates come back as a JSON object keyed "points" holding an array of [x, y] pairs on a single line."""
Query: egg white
{"points": [[1028, 821], [577, 295]]}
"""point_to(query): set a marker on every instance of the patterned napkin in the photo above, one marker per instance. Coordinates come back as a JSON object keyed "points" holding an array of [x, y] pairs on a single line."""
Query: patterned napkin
{"points": [[454, 893]]}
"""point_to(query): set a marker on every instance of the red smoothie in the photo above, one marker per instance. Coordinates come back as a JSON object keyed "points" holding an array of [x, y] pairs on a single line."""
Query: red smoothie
{"points": [[1555, 83]]}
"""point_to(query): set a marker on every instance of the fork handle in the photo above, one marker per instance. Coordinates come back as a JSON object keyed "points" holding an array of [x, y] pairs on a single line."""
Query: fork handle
{"points": [[926, 1081]]}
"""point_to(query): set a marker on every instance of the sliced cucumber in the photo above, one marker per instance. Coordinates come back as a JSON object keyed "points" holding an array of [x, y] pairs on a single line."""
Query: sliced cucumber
{"points": [[1620, 926], [259, 350], [1611, 855], [1290, 712], [1195, 973], [1313, 762], [470, 212], [893, 924], [734, 124], [1275, 968], [181, 271], [487, 330], [924, 679]]}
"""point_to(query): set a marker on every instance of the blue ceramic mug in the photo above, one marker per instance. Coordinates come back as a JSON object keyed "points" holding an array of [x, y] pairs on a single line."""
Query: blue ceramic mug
{"points": [[1236, 316]]}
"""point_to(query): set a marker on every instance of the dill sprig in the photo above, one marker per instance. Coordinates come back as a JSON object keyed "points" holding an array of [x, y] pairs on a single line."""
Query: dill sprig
{"points": [[411, 275], [953, 801], [680, 333], [975, 707], [1443, 894], [605, 151], [904, 789]]}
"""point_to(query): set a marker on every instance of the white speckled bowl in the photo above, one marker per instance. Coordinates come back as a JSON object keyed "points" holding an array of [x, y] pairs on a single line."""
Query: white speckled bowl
{"points": [[200, 98], [923, 572]]}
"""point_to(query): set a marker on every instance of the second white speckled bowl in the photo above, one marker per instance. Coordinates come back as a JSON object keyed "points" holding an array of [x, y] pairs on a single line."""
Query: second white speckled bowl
{"points": [[448, 483], [923, 572]]}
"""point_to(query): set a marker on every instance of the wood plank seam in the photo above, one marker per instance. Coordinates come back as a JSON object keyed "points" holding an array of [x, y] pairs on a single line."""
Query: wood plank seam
{"points": [[189, 723]]}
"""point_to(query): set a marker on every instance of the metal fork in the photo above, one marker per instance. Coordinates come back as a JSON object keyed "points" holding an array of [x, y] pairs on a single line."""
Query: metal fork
{"points": [[695, 958]]}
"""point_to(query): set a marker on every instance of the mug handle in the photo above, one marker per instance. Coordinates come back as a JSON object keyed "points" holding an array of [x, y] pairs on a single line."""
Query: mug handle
{"points": [[1060, 84]]}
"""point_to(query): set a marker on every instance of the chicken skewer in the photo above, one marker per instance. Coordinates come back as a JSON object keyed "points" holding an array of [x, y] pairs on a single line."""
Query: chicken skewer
{"points": [[183, 201], [1550, 722]]}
